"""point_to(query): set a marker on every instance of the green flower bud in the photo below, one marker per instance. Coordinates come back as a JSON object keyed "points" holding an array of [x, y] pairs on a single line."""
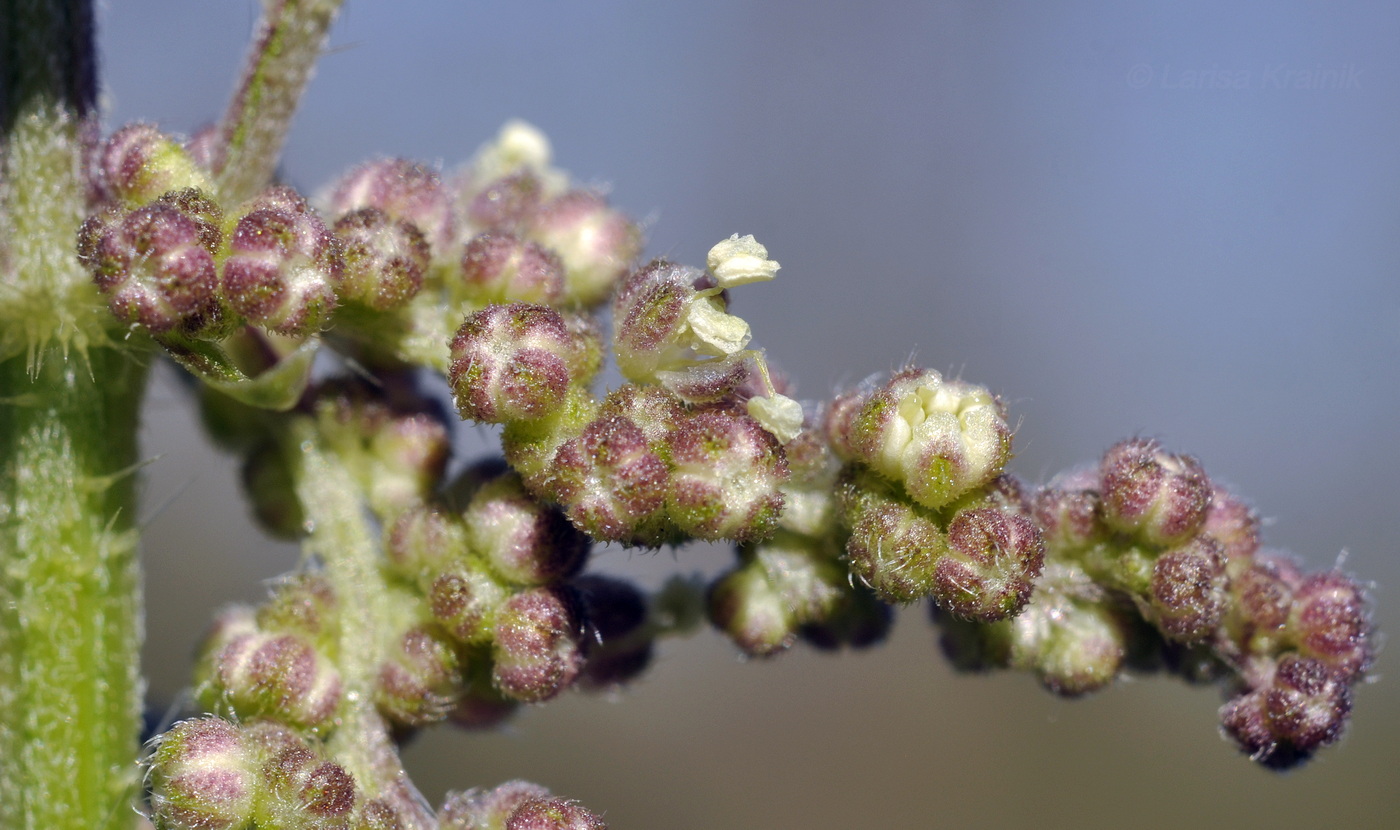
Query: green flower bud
{"points": [[204, 776], [726, 477], [139, 163], [465, 600], [417, 685], [522, 540]]}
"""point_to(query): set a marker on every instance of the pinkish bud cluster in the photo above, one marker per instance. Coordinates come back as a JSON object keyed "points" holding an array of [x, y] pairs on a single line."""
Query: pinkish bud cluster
{"points": [[517, 362], [514, 805], [384, 259], [282, 265], [210, 774]]}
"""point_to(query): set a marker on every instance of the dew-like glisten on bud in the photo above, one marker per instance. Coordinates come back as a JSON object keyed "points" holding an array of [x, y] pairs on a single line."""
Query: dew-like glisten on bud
{"points": [[596, 243], [536, 648], [384, 259], [501, 267], [726, 477], [203, 775], [993, 557], [516, 362], [523, 541], [553, 814], [938, 438], [282, 265], [1187, 594], [612, 483], [479, 809], [1300, 707], [1330, 623], [153, 268], [894, 546], [404, 190], [417, 684], [139, 163], [1159, 497]]}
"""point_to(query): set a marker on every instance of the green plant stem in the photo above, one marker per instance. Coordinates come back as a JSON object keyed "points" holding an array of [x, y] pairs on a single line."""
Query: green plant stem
{"points": [[288, 42], [70, 605], [344, 539]]}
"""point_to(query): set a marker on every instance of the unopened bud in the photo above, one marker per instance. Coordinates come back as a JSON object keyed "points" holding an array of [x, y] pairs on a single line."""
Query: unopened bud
{"points": [[501, 267], [507, 204], [153, 268], [596, 243], [384, 259], [1159, 497], [525, 542], [480, 809], [894, 546], [1187, 592], [612, 483], [203, 776], [250, 672], [553, 814], [1301, 707], [282, 264], [536, 646], [726, 479], [993, 558], [417, 684], [516, 362], [403, 190], [1330, 623], [465, 600], [139, 163]]}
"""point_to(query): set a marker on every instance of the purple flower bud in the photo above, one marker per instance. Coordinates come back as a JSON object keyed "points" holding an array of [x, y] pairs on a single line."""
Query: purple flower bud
{"points": [[726, 478], [139, 163], [536, 649], [596, 243], [465, 600], [282, 264], [524, 541], [384, 259], [250, 672], [516, 362], [1233, 524], [203, 776], [1067, 515], [479, 809], [403, 190], [1330, 622], [1187, 593], [302, 603], [206, 213], [306, 790], [507, 204], [938, 438], [1300, 707], [501, 267], [153, 268], [1263, 596], [993, 559], [839, 417], [417, 684], [1161, 498], [553, 814], [612, 483]]}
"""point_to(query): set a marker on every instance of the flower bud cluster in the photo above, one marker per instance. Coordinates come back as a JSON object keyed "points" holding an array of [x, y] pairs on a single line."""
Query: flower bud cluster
{"points": [[923, 496], [794, 584], [514, 805], [1150, 564]]}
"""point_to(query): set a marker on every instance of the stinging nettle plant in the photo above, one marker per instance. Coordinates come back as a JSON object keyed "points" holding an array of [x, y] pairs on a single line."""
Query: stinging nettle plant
{"points": [[307, 325]]}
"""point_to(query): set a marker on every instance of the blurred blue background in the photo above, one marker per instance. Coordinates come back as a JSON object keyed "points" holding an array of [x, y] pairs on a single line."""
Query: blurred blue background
{"points": [[1125, 218]]}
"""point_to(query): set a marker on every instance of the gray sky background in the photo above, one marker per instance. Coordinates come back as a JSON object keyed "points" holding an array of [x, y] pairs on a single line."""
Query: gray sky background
{"points": [[1125, 218]]}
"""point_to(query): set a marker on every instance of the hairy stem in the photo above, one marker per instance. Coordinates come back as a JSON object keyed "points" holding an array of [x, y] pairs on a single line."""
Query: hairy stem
{"points": [[288, 42], [343, 538]]}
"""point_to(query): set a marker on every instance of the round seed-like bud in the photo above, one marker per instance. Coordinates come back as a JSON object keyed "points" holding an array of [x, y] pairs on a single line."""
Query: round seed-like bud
{"points": [[1330, 624], [203, 776], [938, 438], [507, 204], [206, 213], [1234, 525], [1188, 590], [307, 791], [153, 268], [139, 163], [417, 684], [516, 362], [751, 612], [524, 541], [465, 600], [1161, 498], [1302, 707], [596, 243], [1263, 597], [502, 267], [553, 814], [304, 604], [424, 539], [1072, 634], [282, 264], [410, 453], [384, 259], [404, 190], [479, 809], [727, 475], [1067, 514], [993, 559], [894, 546], [254, 673], [612, 483], [536, 650]]}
